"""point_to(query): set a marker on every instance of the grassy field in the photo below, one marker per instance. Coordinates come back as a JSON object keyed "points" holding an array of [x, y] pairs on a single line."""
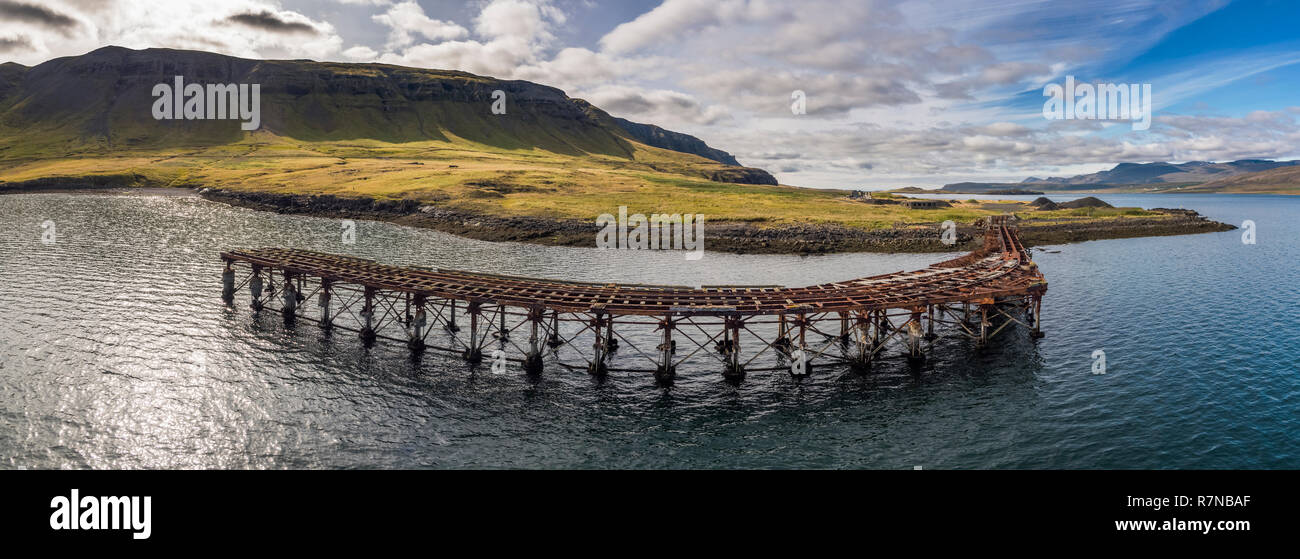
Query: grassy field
{"points": [[469, 176], [432, 137]]}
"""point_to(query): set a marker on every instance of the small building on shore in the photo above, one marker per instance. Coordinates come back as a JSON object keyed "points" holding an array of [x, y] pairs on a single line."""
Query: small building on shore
{"points": [[865, 196]]}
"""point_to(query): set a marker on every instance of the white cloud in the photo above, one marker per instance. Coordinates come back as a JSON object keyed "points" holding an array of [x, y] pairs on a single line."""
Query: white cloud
{"points": [[511, 34], [361, 53], [519, 20], [1004, 129], [660, 107], [247, 28], [665, 22], [897, 91], [407, 19]]}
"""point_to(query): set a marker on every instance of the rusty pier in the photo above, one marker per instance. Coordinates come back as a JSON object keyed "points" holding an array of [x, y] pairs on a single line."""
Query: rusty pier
{"points": [[536, 323]]}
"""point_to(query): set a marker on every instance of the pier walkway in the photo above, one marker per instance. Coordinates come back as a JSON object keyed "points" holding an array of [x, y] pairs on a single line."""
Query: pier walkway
{"points": [[580, 325]]}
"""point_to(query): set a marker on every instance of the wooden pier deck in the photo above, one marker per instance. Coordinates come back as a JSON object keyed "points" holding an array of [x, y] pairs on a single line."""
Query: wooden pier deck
{"points": [[996, 284]]}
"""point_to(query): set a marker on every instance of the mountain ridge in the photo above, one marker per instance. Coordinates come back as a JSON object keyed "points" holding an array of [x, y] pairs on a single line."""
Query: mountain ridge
{"points": [[101, 102], [1165, 172], [1281, 179], [1157, 175], [656, 136]]}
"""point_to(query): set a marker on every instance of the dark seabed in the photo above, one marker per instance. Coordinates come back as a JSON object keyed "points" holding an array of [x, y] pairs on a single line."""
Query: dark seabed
{"points": [[116, 352]]}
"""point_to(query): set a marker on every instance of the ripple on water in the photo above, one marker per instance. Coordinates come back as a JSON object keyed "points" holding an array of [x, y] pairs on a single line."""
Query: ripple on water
{"points": [[116, 353]]}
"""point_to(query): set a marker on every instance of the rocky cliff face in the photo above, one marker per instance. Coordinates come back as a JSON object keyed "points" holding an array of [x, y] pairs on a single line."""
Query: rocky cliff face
{"points": [[652, 135], [742, 175]]}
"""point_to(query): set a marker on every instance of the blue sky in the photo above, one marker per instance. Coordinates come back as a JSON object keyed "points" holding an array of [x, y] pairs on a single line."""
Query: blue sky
{"points": [[1248, 44], [1238, 34], [899, 93]]}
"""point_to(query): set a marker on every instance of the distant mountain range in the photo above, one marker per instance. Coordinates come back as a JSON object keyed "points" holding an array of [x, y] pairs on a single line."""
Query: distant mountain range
{"points": [[1279, 180], [1148, 173], [1144, 176]]}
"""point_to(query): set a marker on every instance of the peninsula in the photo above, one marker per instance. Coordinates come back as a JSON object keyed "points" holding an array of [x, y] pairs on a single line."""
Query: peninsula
{"points": [[425, 148]]}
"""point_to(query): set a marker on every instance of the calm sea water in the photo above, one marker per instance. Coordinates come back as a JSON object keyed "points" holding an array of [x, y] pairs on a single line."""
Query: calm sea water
{"points": [[116, 352]]}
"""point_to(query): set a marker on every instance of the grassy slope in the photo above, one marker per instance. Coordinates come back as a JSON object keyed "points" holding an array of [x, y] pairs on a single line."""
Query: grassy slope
{"points": [[485, 179], [355, 132]]}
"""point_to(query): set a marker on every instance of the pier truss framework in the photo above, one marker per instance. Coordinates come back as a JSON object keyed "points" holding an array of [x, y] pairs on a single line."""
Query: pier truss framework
{"points": [[536, 323]]}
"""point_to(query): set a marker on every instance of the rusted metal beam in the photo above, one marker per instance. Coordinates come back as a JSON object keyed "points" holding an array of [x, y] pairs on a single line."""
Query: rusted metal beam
{"points": [[400, 303]]}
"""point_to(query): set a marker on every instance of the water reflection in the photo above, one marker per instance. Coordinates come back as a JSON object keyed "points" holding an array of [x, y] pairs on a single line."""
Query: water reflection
{"points": [[117, 352]]}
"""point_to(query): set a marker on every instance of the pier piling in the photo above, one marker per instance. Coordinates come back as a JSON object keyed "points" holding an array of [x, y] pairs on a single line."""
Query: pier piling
{"points": [[415, 339], [368, 314], [474, 348], [915, 354], [665, 371], [597, 366], [228, 283], [255, 288], [288, 300], [326, 319], [533, 358]]}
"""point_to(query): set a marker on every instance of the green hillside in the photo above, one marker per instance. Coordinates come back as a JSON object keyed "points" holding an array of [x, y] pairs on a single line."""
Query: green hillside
{"points": [[328, 127], [392, 133]]}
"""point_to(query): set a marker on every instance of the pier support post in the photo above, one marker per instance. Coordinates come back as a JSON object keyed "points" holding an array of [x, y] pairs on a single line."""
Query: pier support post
{"points": [[845, 330], [780, 332], [929, 325], [984, 326], [861, 362], [554, 339], [733, 370], [879, 335], [666, 372], [1037, 305], [368, 317], [611, 342], [782, 342], [800, 363], [228, 283], [415, 340], [255, 288], [289, 299], [502, 333], [915, 354], [473, 351], [451, 322], [533, 361], [326, 319], [597, 366]]}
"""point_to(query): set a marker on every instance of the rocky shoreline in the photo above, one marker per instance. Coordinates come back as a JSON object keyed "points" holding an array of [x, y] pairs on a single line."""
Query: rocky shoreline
{"points": [[740, 238], [733, 237], [1179, 222]]}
